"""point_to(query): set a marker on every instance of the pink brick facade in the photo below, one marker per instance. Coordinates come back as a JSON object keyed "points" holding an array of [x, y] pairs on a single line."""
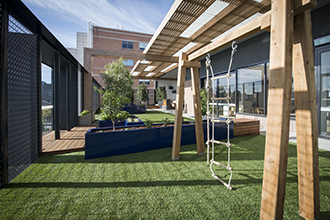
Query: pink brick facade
{"points": [[111, 39]]}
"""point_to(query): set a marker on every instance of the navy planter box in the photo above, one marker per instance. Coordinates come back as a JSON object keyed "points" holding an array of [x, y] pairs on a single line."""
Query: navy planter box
{"points": [[138, 140], [108, 123], [119, 123], [135, 109]]}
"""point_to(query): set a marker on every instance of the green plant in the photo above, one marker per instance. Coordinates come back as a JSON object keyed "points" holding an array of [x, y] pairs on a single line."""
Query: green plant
{"points": [[148, 123], [161, 93], [204, 101], [122, 115], [142, 95], [85, 112], [165, 122], [117, 90]]}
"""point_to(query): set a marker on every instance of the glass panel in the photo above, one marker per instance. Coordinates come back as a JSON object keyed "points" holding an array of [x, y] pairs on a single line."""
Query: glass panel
{"points": [[250, 88], [325, 92], [47, 99], [221, 90]]}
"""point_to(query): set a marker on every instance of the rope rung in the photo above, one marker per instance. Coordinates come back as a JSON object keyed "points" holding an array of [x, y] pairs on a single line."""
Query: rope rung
{"points": [[218, 142], [223, 182], [219, 164], [221, 98]]}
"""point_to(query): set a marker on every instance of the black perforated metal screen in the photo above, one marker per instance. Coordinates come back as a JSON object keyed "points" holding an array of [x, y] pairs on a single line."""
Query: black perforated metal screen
{"points": [[96, 95], [22, 97], [0, 102]]}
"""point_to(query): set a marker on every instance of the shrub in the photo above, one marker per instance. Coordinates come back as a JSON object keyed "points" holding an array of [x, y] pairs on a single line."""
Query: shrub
{"points": [[148, 123], [165, 122], [85, 112], [142, 95]]}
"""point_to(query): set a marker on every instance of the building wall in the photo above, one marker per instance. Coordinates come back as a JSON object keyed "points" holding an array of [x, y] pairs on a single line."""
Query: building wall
{"points": [[253, 51], [111, 39]]}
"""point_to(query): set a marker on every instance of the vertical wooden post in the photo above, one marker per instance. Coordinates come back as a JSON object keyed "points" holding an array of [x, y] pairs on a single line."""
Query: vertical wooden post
{"points": [[278, 121], [306, 119], [197, 111], [179, 108]]}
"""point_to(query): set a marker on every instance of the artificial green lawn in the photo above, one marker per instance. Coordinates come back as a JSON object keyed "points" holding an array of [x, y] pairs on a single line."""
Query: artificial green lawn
{"points": [[149, 185], [157, 116]]}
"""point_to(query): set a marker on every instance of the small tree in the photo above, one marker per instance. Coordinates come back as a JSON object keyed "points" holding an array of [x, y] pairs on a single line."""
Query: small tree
{"points": [[117, 90], [161, 93], [142, 95], [204, 101]]}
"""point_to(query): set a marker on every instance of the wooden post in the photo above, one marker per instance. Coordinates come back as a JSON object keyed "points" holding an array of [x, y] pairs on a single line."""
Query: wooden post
{"points": [[278, 120], [306, 119], [179, 108], [197, 111]]}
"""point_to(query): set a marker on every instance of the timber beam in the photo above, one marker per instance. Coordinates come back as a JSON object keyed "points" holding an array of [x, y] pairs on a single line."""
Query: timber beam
{"points": [[130, 55]]}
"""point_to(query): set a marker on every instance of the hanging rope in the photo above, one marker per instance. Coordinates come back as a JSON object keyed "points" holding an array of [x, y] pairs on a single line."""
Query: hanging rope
{"points": [[227, 99]]}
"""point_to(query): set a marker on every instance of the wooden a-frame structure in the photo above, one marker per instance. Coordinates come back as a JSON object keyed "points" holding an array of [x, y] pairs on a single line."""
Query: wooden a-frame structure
{"points": [[291, 48]]}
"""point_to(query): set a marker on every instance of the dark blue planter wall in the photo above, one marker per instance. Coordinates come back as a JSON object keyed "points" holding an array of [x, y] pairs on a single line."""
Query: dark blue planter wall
{"points": [[132, 141], [108, 123]]}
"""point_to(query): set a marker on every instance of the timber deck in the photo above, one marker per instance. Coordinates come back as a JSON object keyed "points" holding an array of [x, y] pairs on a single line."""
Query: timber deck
{"points": [[74, 140], [246, 127], [71, 141]]}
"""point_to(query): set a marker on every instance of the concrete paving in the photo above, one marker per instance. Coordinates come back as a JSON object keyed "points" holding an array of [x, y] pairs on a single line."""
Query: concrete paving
{"points": [[323, 143]]}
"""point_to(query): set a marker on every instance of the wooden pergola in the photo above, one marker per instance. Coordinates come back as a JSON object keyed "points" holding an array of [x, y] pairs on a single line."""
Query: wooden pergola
{"points": [[291, 48]]}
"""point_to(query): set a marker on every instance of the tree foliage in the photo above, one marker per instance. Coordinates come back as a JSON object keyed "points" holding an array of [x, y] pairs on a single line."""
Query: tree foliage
{"points": [[204, 101], [142, 95], [161, 93], [117, 90]]}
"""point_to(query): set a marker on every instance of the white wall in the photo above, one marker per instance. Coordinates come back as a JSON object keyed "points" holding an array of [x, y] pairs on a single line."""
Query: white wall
{"points": [[168, 83]]}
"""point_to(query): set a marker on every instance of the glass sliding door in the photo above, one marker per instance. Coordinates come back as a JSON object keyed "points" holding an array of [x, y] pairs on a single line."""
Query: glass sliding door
{"points": [[325, 93], [47, 99], [250, 89]]}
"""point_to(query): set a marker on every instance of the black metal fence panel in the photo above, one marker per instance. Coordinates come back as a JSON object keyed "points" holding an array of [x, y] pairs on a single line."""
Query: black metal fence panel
{"points": [[0, 101], [74, 97], [96, 95], [22, 97]]}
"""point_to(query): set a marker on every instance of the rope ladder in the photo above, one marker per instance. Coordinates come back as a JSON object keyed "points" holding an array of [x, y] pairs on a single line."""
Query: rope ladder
{"points": [[213, 120]]}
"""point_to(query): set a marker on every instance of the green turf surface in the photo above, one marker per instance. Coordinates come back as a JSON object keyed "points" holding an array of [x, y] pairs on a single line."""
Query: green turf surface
{"points": [[157, 116], [149, 185]]}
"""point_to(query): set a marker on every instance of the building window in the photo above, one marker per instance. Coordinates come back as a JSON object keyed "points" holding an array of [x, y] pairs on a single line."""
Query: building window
{"points": [[142, 45], [221, 90], [250, 89], [145, 81], [127, 45], [128, 62]]}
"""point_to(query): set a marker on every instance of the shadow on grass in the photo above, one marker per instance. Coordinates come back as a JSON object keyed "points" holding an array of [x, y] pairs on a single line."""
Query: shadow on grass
{"points": [[240, 183]]}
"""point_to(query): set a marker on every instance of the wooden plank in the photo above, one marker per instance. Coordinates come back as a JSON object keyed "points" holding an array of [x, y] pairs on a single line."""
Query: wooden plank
{"points": [[303, 5], [306, 118], [278, 120], [197, 111], [226, 11], [178, 109], [129, 55], [192, 64]]}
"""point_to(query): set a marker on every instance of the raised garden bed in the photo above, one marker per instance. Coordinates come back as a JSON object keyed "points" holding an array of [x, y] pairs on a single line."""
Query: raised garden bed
{"points": [[108, 123], [109, 143], [135, 109]]}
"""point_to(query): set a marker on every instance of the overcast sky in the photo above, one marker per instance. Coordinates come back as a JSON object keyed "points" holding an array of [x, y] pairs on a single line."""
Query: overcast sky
{"points": [[66, 17]]}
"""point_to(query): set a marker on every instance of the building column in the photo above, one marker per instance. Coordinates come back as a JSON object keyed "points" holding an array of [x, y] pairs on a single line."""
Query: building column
{"points": [[4, 96], [68, 97], [56, 95]]}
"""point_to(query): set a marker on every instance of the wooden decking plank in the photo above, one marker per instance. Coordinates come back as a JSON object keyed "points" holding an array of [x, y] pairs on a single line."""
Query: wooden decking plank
{"points": [[71, 141]]}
